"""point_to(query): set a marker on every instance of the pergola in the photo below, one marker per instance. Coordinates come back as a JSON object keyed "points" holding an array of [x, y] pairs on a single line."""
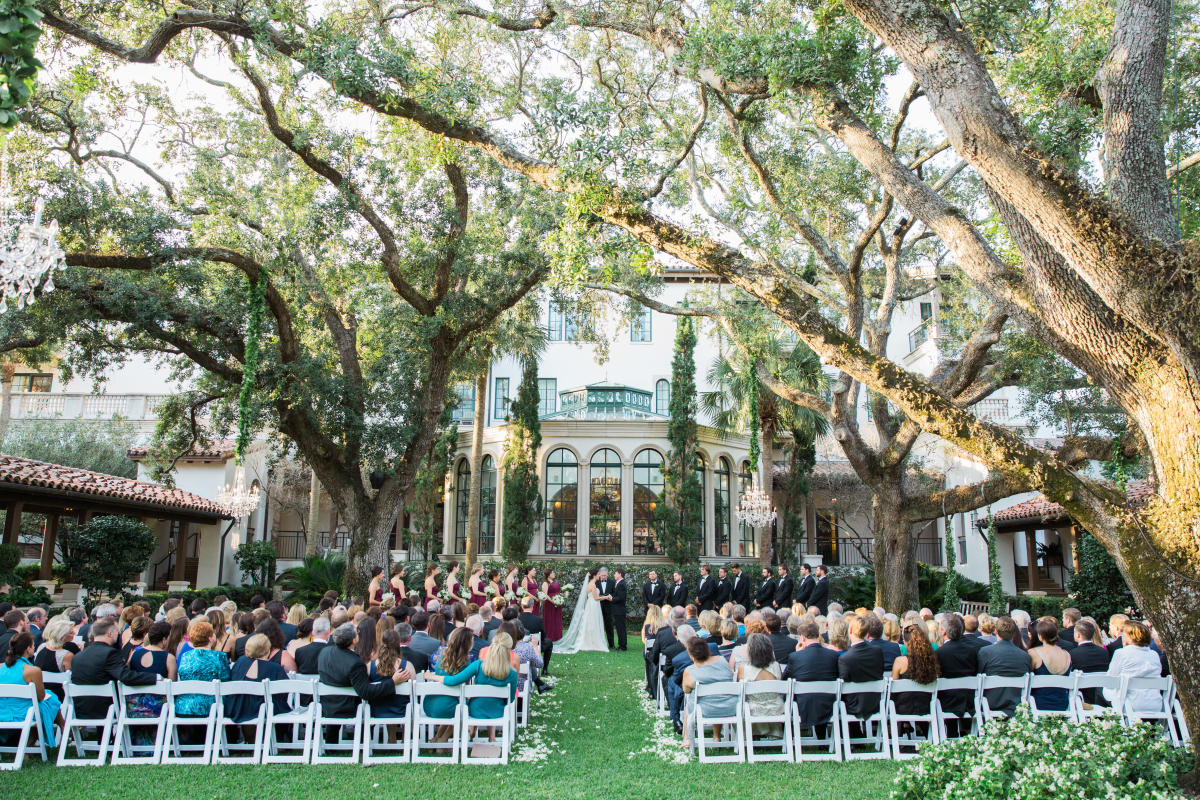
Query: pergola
{"points": [[57, 491]]}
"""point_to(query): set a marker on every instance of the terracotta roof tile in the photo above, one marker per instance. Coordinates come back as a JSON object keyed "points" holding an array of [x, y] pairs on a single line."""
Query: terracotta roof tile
{"points": [[27, 472], [1041, 508], [218, 448]]}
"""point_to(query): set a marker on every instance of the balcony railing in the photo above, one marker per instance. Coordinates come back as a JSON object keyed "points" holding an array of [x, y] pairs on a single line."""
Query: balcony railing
{"points": [[921, 334], [848, 551], [993, 409], [70, 405], [291, 544]]}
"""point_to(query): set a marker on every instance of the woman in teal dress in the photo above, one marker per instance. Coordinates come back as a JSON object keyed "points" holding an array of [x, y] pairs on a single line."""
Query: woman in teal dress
{"points": [[18, 669], [201, 663], [455, 656]]}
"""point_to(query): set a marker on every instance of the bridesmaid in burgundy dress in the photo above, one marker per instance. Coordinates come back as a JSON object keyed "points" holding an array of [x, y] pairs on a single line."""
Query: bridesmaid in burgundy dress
{"points": [[552, 614], [531, 586], [431, 573], [475, 586], [493, 580], [511, 581]]}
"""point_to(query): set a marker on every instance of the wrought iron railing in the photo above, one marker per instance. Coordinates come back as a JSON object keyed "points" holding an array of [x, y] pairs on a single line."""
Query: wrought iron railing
{"points": [[848, 551]]}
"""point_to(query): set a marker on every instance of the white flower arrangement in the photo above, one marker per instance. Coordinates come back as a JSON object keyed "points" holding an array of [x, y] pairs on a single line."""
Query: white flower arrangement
{"points": [[443, 595], [522, 592], [558, 600], [509, 596], [542, 596], [489, 590], [387, 597], [570, 587]]}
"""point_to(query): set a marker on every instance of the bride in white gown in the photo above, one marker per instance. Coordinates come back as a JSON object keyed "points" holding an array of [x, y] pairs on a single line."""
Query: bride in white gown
{"points": [[586, 631]]}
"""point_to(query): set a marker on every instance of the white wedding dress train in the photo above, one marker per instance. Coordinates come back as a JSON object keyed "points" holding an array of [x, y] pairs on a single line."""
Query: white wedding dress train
{"points": [[586, 631]]}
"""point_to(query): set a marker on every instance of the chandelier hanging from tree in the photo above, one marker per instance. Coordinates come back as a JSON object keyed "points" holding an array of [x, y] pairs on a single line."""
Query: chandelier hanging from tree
{"points": [[237, 499], [29, 251], [755, 509]]}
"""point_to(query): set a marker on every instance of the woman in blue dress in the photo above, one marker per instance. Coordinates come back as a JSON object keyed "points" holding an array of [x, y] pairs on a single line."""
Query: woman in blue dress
{"points": [[200, 663], [18, 669], [494, 669], [1049, 659]]}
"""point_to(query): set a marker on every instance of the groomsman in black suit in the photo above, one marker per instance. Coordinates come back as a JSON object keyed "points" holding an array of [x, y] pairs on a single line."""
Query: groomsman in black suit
{"points": [[739, 587], [706, 589], [721, 596], [765, 595], [820, 595], [654, 591], [783, 589], [677, 595], [807, 584]]}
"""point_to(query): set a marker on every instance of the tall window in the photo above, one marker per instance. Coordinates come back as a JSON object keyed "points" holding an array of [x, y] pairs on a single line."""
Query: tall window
{"points": [[462, 500], [639, 328], [500, 399], [827, 535], [703, 489], [561, 326], [562, 502], [464, 411], [961, 539], [31, 383], [487, 507], [722, 513], [662, 397], [647, 493], [747, 544], [547, 396], [926, 311], [604, 531]]}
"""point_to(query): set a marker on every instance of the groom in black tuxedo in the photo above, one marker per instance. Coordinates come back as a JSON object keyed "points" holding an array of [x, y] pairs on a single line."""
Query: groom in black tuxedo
{"points": [[604, 588], [617, 604]]}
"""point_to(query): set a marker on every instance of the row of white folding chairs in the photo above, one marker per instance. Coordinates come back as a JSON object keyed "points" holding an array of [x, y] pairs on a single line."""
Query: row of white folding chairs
{"points": [[302, 733], [890, 734]]}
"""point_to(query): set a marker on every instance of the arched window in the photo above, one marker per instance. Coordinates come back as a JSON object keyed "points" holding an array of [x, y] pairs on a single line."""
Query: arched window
{"points": [[462, 500], [703, 492], [487, 507], [747, 544], [562, 502], [722, 517], [604, 530], [647, 491], [662, 397]]}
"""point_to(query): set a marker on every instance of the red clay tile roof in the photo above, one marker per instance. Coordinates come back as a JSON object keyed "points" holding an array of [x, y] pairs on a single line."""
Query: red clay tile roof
{"points": [[1042, 509], [70, 480], [218, 449]]}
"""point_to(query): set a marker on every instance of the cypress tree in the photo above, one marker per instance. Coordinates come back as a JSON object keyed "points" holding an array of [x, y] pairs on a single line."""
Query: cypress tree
{"points": [[681, 514], [522, 501]]}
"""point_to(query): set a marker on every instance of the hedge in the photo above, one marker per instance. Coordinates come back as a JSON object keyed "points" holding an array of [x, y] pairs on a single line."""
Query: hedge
{"points": [[238, 594]]}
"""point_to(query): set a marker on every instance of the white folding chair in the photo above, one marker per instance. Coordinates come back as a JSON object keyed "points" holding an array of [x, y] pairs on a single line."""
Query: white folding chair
{"points": [[971, 718], [124, 750], [59, 679], [874, 727], [663, 709], [300, 719], [986, 712], [425, 727], [237, 750], [1082, 711], [378, 747], [1065, 682], [1185, 736], [828, 748], [335, 749], [176, 751], [505, 724], [525, 696], [1136, 708], [929, 718], [728, 722], [75, 727], [27, 727], [756, 743]]}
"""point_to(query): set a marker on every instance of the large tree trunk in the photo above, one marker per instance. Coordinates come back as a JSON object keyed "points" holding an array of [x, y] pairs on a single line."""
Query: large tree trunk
{"points": [[370, 523], [895, 553], [312, 530], [476, 490], [7, 370]]}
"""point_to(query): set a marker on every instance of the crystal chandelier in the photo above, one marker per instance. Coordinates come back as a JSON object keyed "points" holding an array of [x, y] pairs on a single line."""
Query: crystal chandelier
{"points": [[755, 509], [29, 251], [237, 499]]}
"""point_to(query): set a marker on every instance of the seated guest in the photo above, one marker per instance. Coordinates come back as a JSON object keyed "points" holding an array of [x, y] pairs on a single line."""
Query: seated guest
{"points": [[761, 666], [740, 654], [739, 616], [177, 642], [221, 639], [1049, 659], [971, 634], [339, 665], [254, 666], [491, 622], [246, 626], [812, 662], [1066, 635], [674, 670], [1088, 656], [278, 612], [705, 668], [957, 659], [1005, 659], [200, 663], [422, 642], [653, 621], [303, 637], [388, 661], [526, 653], [494, 669], [36, 617], [987, 628], [18, 669], [534, 626], [710, 625], [364, 643], [101, 663], [151, 658], [1116, 624], [475, 626], [876, 638], [860, 663], [270, 628], [455, 657], [692, 617], [728, 638], [419, 661], [919, 664], [15, 622], [783, 644], [306, 656], [135, 634], [53, 655], [1135, 659], [1024, 621]]}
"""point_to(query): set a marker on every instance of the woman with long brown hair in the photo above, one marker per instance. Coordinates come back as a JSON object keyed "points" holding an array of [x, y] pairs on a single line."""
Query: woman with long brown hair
{"points": [[454, 659], [919, 664]]}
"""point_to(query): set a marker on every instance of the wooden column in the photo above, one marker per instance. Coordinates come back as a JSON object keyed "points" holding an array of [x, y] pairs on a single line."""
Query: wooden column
{"points": [[12, 522], [49, 539], [1031, 558], [180, 555]]}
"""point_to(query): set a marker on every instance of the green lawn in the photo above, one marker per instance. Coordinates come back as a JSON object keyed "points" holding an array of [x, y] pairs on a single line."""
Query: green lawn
{"points": [[588, 738]]}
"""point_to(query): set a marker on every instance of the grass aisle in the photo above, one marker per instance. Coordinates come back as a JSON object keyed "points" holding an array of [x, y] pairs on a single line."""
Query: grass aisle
{"points": [[589, 737]]}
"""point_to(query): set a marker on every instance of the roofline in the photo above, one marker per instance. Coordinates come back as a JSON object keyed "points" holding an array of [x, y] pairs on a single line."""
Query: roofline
{"points": [[105, 499]]}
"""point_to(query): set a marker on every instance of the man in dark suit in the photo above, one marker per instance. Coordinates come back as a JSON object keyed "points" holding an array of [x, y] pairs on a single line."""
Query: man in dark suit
{"points": [[781, 643], [722, 594], [1089, 657], [784, 588], [37, 620], [419, 661], [957, 660], [422, 642], [820, 593], [278, 611], [1006, 659], [677, 594], [654, 591], [1066, 634], [617, 599], [1116, 624], [339, 665], [971, 634], [533, 624], [765, 595], [100, 663], [15, 622], [491, 620], [475, 626], [862, 663], [812, 662], [807, 584], [889, 650], [705, 589], [739, 586], [604, 585], [306, 656]]}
